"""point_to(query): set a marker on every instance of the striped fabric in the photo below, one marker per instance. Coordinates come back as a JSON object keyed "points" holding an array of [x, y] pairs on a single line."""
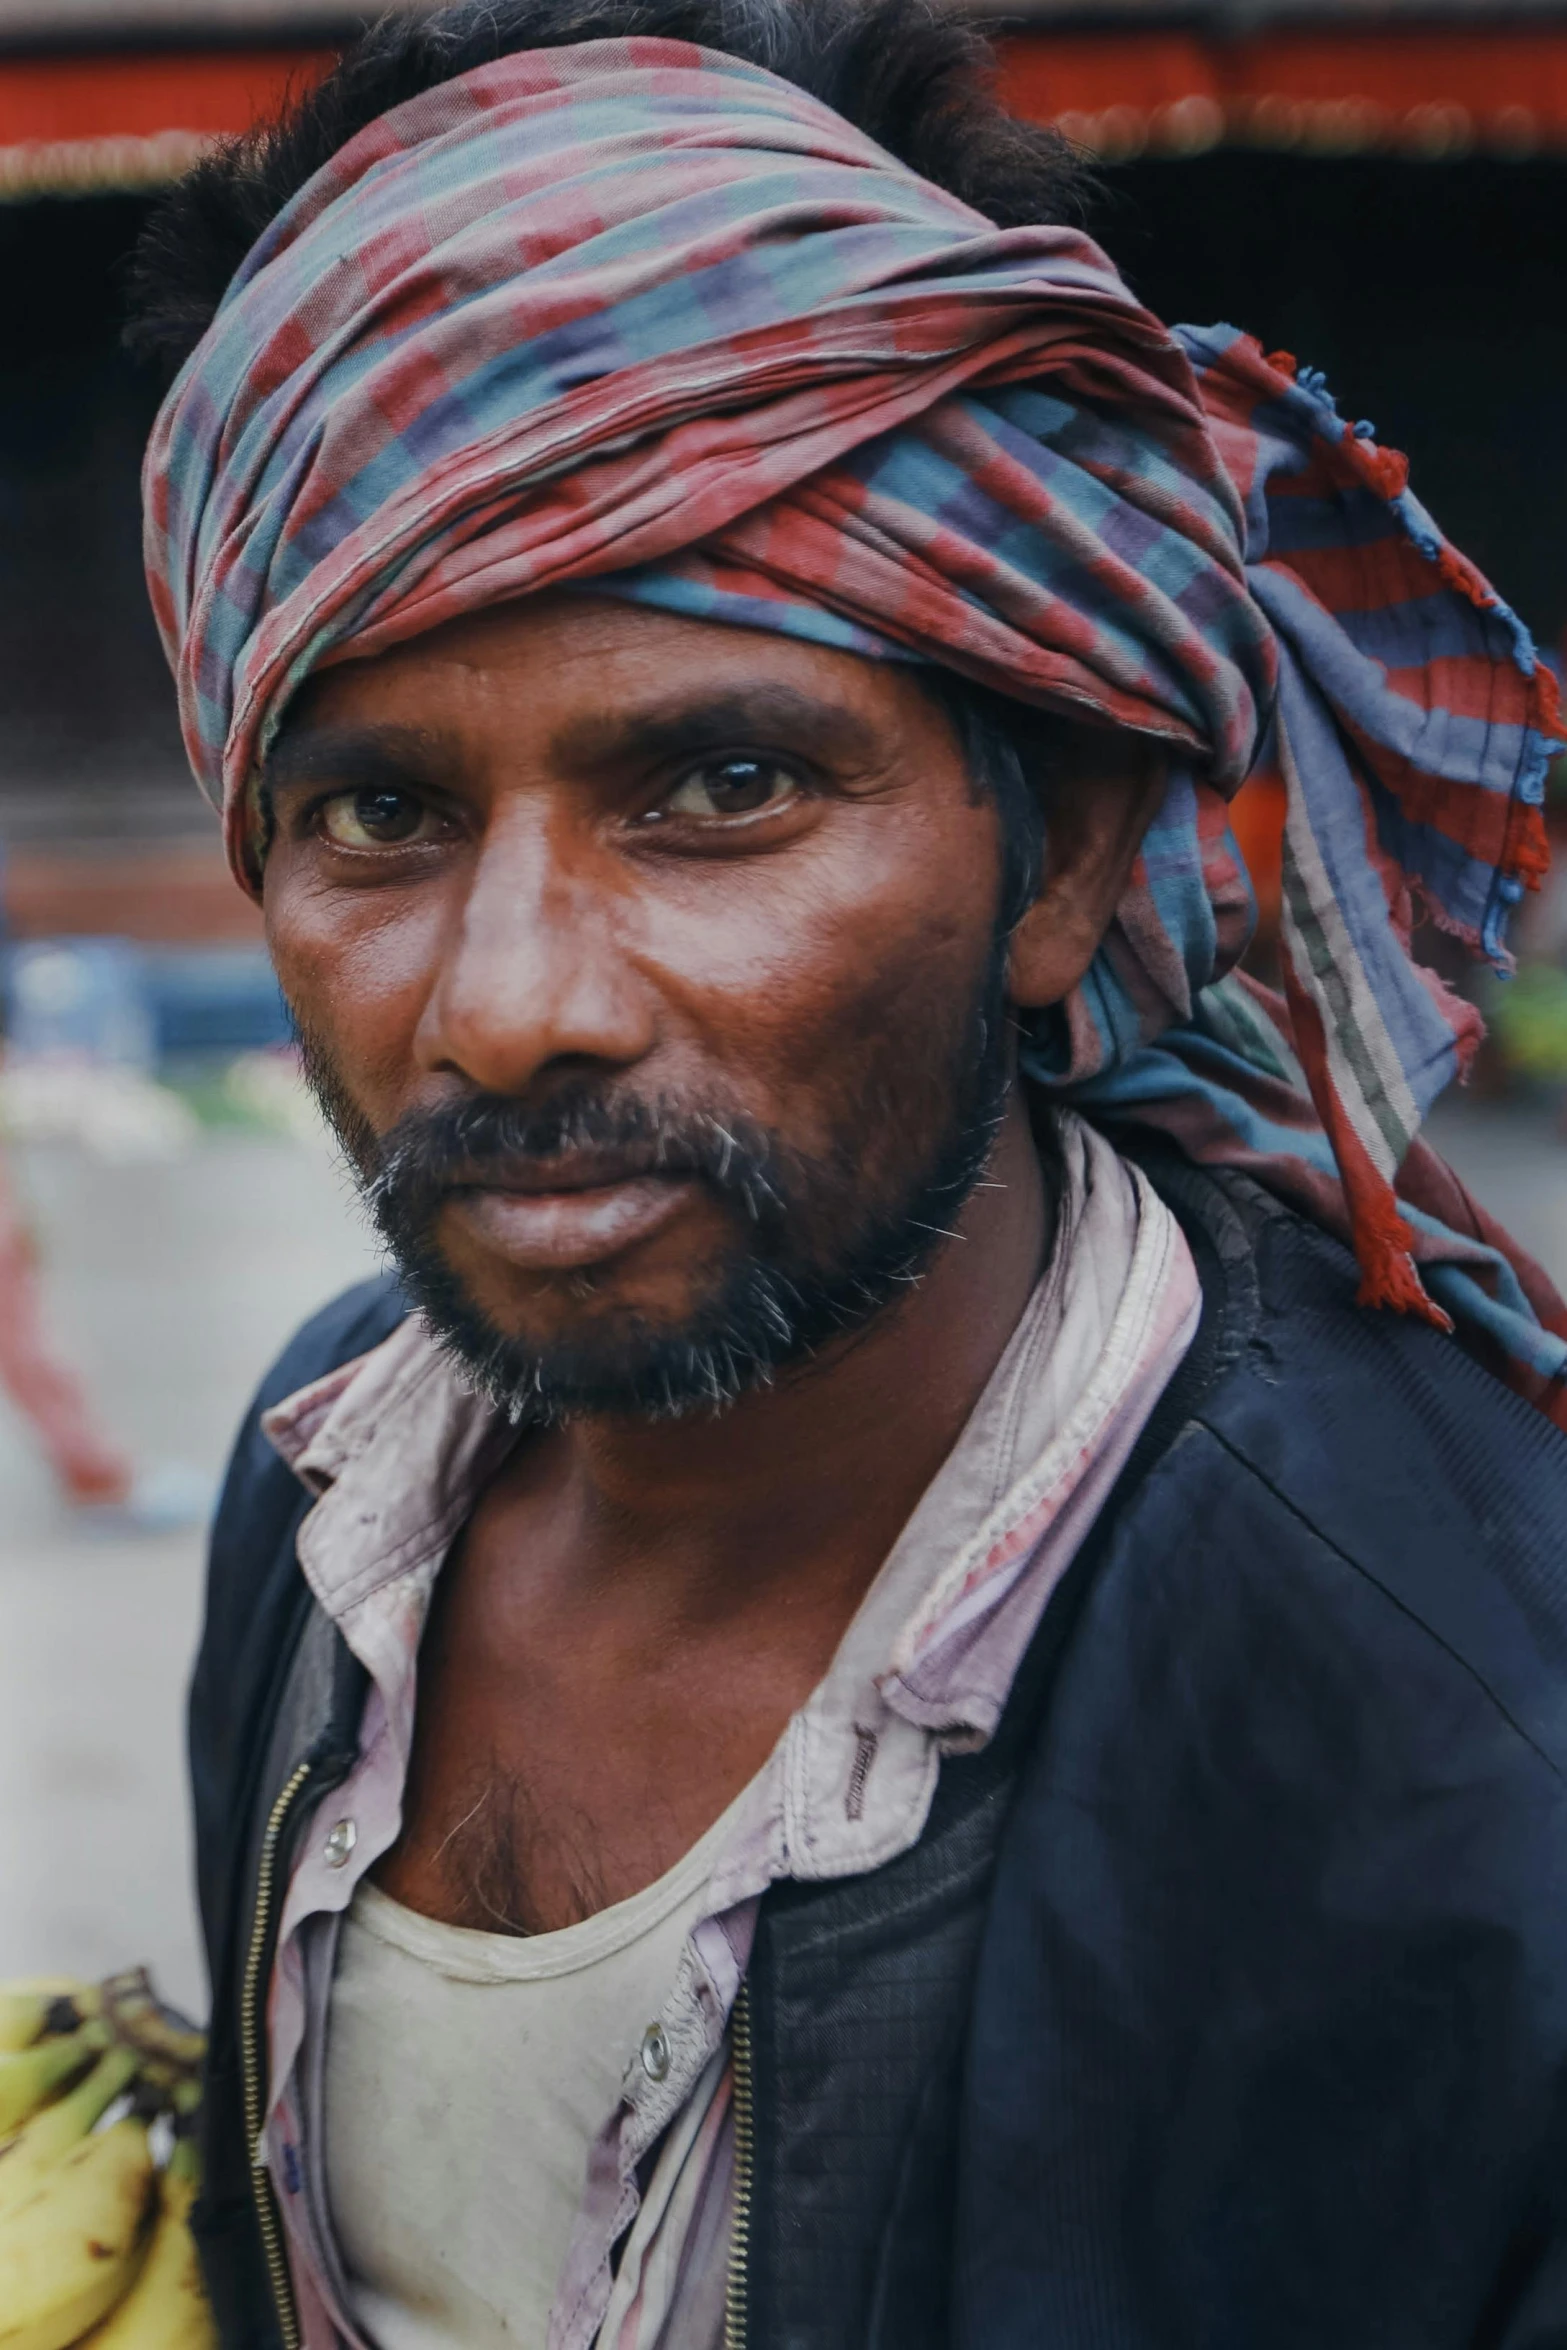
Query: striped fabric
{"points": [[637, 315]]}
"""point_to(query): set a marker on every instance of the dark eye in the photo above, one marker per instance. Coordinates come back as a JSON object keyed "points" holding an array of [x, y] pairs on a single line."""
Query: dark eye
{"points": [[379, 816], [730, 787]]}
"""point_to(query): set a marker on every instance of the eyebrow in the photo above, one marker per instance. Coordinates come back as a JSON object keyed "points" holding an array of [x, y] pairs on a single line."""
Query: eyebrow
{"points": [[350, 755], [746, 714], [367, 756]]}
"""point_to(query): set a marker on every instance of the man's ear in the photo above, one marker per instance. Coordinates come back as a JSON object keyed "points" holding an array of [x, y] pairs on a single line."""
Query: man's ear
{"points": [[1109, 786]]}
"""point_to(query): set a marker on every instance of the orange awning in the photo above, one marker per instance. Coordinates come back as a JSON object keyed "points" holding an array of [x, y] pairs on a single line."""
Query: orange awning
{"points": [[79, 121], [1422, 91], [73, 123]]}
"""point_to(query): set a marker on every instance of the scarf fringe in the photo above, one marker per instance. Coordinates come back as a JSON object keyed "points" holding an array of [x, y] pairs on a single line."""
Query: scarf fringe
{"points": [[1383, 1242]]}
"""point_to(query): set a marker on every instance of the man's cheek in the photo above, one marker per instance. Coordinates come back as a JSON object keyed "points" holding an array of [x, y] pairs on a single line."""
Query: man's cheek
{"points": [[360, 991], [854, 1037]]}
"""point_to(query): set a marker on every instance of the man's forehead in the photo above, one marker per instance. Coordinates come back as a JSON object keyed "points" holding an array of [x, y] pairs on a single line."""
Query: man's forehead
{"points": [[594, 684], [544, 636]]}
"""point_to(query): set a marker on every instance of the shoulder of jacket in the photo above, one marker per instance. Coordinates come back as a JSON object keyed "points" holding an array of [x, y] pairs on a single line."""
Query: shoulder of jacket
{"points": [[1377, 1441], [349, 1325], [261, 1496]]}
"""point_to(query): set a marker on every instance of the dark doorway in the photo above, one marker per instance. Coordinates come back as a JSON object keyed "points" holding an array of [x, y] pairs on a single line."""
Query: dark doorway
{"points": [[1428, 295]]}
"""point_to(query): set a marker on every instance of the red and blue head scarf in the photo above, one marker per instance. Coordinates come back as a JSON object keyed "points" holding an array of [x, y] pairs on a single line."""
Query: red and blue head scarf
{"points": [[638, 316]]}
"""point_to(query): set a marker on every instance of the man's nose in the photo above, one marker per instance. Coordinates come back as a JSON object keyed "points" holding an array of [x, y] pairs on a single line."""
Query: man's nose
{"points": [[536, 971]]}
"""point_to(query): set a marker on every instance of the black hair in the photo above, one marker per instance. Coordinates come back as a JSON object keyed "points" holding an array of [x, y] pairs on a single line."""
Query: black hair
{"points": [[910, 76], [1016, 756]]}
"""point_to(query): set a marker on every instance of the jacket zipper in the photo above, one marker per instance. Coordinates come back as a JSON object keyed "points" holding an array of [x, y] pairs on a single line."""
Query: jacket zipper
{"points": [[250, 2058], [745, 2154]]}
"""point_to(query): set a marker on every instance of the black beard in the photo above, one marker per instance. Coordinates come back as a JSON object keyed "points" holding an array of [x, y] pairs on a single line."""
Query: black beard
{"points": [[820, 1256]]}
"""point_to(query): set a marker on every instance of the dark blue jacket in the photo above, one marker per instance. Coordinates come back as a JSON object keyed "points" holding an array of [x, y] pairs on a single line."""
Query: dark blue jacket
{"points": [[1223, 2003]]}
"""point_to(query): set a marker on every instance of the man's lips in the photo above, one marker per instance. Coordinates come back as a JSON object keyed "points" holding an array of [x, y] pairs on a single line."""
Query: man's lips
{"points": [[553, 1221]]}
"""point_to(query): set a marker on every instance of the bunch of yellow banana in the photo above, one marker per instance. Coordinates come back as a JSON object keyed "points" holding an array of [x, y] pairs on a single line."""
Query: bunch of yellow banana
{"points": [[95, 2242]]}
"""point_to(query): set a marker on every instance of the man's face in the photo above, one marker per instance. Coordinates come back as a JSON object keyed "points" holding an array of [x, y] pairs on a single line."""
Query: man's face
{"points": [[650, 972]]}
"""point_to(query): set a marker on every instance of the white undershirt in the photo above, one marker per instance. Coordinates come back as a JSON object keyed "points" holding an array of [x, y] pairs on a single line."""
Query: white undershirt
{"points": [[467, 2076]]}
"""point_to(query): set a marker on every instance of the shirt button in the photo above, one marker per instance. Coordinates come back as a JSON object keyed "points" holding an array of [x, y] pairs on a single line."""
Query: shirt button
{"points": [[340, 1842], [655, 2052]]}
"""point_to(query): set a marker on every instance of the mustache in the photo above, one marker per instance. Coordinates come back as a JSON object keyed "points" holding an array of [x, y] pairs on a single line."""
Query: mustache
{"points": [[492, 1140]]}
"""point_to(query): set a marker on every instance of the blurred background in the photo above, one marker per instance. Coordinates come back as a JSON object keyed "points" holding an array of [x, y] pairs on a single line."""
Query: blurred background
{"points": [[1379, 186]]}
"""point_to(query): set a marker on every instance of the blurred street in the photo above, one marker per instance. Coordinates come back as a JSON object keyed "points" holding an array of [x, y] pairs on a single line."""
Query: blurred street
{"points": [[173, 1284], [1514, 1159]]}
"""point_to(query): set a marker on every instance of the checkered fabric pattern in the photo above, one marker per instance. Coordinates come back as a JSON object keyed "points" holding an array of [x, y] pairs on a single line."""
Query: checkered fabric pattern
{"points": [[641, 316]]}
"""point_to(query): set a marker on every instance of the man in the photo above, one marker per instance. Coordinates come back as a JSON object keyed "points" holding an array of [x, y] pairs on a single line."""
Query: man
{"points": [[889, 1717]]}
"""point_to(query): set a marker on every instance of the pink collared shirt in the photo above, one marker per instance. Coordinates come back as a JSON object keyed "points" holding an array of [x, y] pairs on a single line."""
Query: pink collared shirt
{"points": [[397, 1449]]}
